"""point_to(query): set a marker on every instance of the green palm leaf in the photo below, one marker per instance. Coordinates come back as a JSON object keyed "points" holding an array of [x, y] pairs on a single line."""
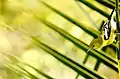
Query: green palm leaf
{"points": [[81, 69], [20, 70], [111, 62], [67, 61], [87, 29], [92, 6]]}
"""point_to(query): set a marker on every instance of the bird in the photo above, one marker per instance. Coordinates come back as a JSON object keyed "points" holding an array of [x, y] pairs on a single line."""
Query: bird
{"points": [[107, 35]]}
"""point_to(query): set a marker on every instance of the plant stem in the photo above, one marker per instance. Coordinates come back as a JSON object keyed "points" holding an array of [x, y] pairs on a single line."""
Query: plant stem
{"points": [[118, 34]]}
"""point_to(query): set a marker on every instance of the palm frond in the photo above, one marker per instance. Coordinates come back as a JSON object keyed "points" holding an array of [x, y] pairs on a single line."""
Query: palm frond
{"points": [[92, 6], [109, 61], [21, 70], [107, 3], [87, 29], [79, 68], [93, 32], [67, 61]]}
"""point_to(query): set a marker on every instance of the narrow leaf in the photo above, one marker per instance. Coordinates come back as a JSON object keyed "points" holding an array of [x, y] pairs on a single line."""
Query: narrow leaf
{"points": [[87, 29], [79, 68], [92, 6], [40, 72], [18, 71], [32, 76], [106, 59], [106, 3], [22, 62]]}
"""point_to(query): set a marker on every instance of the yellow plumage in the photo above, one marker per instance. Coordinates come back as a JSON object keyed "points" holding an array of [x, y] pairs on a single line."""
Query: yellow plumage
{"points": [[100, 42]]}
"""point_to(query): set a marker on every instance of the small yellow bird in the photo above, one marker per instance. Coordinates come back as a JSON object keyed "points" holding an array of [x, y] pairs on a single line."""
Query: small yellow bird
{"points": [[107, 35]]}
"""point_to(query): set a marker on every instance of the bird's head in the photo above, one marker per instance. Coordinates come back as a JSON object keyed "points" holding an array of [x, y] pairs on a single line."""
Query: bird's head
{"points": [[95, 43]]}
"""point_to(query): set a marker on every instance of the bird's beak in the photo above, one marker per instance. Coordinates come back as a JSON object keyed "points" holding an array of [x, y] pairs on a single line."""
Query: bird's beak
{"points": [[90, 48]]}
